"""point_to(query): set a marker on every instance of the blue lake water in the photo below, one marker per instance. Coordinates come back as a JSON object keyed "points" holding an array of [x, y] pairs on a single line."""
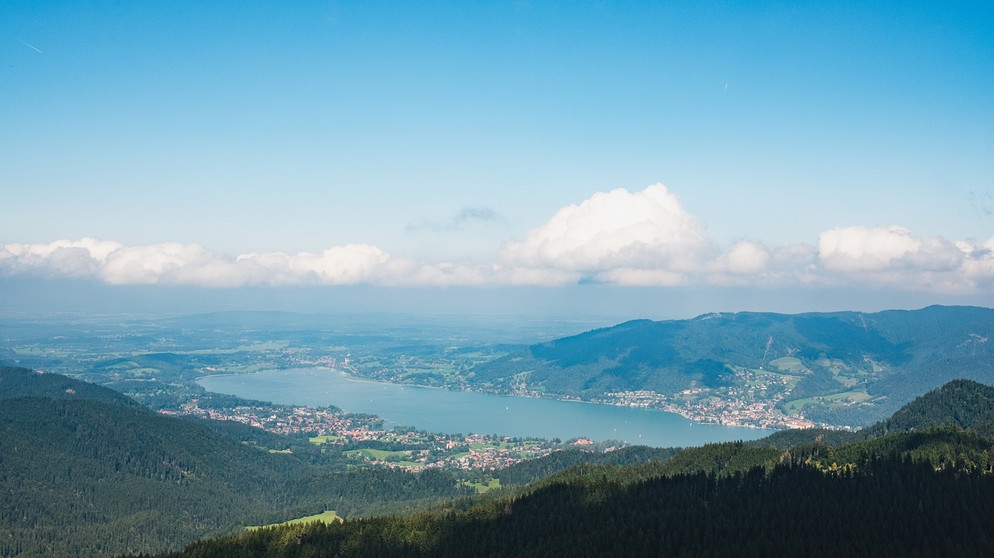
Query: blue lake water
{"points": [[460, 412]]}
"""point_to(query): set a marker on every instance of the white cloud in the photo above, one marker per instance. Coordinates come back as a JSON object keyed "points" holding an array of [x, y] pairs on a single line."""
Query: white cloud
{"points": [[619, 237], [613, 231], [191, 264], [61, 257], [894, 256], [978, 264], [340, 265], [641, 238], [647, 238], [872, 249], [743, 257], [170, 263]]}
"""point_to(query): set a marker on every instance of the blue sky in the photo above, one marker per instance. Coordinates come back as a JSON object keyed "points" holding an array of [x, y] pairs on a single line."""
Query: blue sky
{"points": [[743, 148]]}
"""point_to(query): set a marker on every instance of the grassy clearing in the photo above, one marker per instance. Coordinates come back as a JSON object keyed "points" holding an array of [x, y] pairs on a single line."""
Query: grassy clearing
{"points": [[758, 378], [835, 399], [381, 455], [855, 396], [847, 381], [398, 457], [484, 486], [326, 517], [791, 365]]}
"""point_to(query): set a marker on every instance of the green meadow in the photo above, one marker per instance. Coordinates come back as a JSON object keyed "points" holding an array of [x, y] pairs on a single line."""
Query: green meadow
{"points": [[328, 516]]}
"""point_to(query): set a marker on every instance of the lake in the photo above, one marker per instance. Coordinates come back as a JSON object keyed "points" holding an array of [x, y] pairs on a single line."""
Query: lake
{"points": [[461, 412]]}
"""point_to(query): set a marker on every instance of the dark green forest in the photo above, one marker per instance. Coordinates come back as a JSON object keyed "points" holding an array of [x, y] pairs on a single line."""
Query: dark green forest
{"points": [[887, 507], [88, 477]]}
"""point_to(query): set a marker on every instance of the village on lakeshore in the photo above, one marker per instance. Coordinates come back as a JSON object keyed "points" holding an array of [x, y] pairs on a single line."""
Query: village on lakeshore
{"points": [[416, 450]]}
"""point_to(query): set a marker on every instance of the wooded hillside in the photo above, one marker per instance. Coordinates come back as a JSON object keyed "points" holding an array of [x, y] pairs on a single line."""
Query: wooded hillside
{"points": [[927, 490]]}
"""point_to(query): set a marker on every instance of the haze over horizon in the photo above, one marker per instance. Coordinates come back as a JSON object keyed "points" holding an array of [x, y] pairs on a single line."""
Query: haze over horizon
{"points": [[606, 159]]}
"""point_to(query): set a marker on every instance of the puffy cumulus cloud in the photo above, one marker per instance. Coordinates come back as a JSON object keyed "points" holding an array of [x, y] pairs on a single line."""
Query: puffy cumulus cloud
{"points": [[613, 234], [896, 257], [169, 263], [647, 238], [73, 258], [885, 249], [978, 263], [339, 265], [641, 238], [191, 264], [619, 237]]}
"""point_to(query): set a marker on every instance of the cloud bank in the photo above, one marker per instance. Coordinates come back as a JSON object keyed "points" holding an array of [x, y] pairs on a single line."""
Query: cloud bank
{"points": [[643, 238]]}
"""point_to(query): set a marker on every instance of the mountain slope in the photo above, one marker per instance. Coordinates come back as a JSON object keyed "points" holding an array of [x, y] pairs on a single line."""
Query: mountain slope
{"points": [[892, 501], [109, 472], [837, 368], [897, 509], [22, 382], [82, 477], [961, 403], [921, 492]]}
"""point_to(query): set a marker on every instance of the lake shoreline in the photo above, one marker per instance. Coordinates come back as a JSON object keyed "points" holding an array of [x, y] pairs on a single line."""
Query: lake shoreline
{"points": [[672, 409], [439, 409]]}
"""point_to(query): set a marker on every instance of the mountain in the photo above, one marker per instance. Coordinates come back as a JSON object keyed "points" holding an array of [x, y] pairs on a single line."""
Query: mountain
{"points": [[961, 403], [927, 490], [88, 477], [22, 382], [957, 417], [836, 368], [96, 477], [93, 477]]}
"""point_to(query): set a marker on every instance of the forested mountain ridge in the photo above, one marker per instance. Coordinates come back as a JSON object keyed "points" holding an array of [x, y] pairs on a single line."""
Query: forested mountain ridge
{"points": [[961, 403], [837, 368], [793, 510], [22, 382], [957, 415], [927, 490], [83, 477]]}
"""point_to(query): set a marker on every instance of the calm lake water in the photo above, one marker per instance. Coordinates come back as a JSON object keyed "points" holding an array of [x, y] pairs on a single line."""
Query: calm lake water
{"points": [[459, 412]]}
